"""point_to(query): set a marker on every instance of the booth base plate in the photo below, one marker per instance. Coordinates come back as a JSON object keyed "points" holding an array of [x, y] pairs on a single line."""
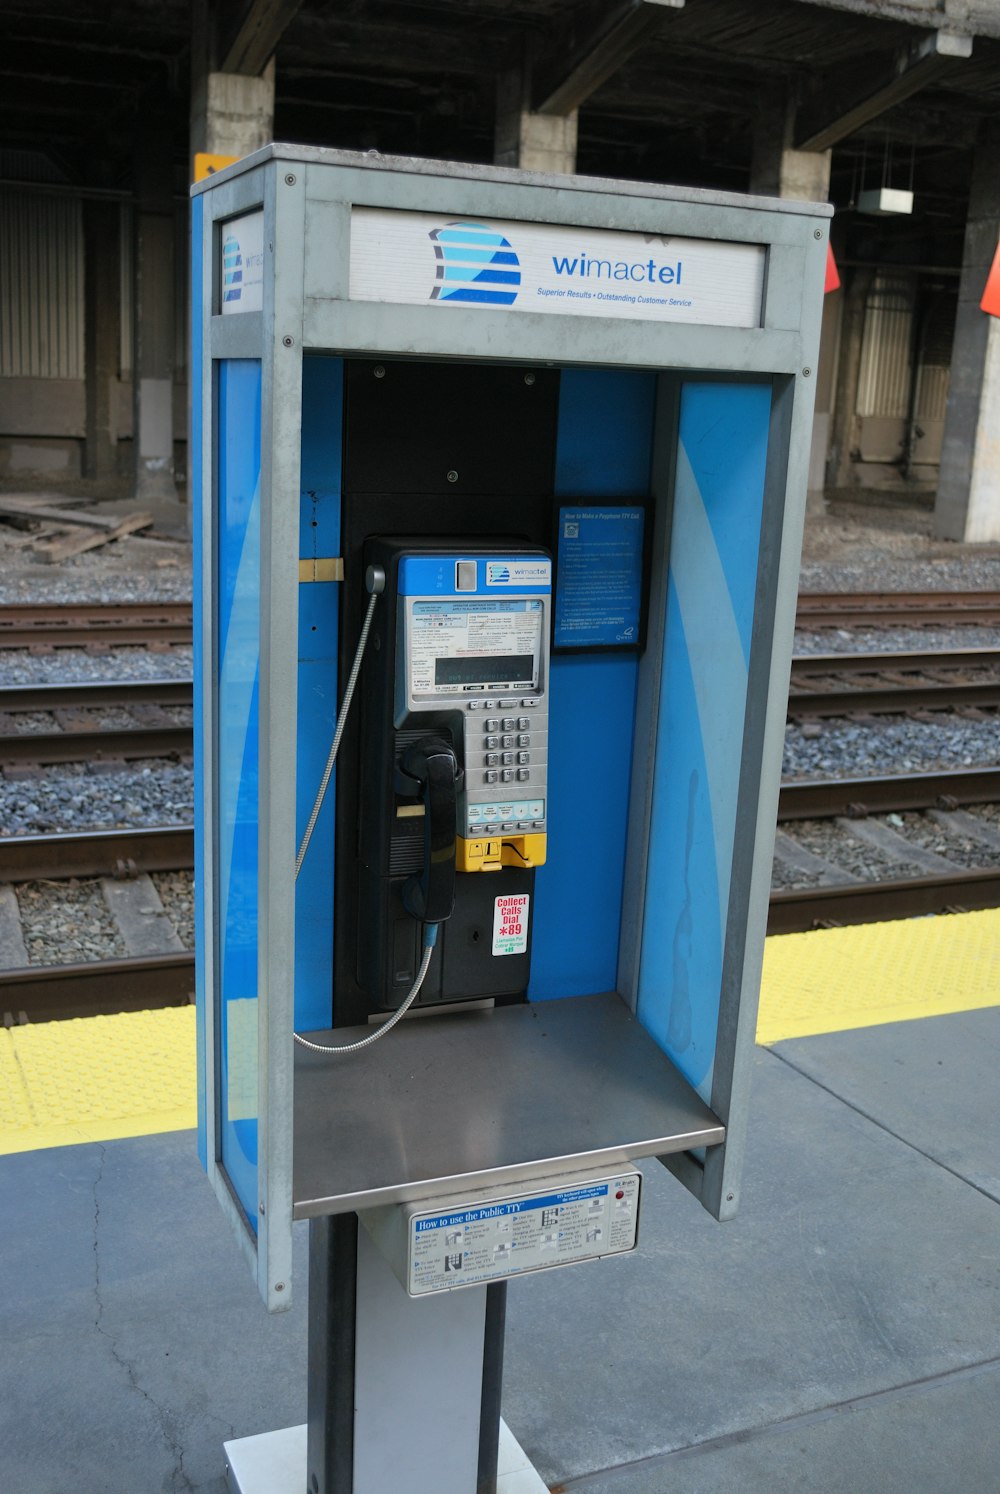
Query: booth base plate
{"points": [[275, 1463]]}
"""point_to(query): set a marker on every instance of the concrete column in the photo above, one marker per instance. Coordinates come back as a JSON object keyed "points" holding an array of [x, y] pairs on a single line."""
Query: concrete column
{"points": [[101, 336], [232, 115], [153, 360], [843, 430], [534, 142], [968, 497], [776, 170]]}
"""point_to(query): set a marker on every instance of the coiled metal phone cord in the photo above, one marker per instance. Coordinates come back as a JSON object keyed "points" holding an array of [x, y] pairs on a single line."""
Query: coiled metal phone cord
{"points": [[376, 583]]}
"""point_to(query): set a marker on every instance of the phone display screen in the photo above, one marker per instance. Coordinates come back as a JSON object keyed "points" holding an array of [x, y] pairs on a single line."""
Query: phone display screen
{"points": [[462, 647]]}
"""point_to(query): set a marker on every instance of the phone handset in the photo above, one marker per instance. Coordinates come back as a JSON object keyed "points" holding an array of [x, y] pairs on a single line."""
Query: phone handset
{"points": [[429, 769]]}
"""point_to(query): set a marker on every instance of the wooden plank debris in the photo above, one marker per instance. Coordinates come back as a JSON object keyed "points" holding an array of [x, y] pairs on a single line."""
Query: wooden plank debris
{"points": [[65, 532], [74, 544]]}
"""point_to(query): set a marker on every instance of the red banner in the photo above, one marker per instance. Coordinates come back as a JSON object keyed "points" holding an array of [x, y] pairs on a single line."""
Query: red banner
{"points": [[832, 274], [991, 295]]}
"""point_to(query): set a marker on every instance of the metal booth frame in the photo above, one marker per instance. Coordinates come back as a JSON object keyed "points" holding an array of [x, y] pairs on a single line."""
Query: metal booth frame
{"points": [[307, 196]]}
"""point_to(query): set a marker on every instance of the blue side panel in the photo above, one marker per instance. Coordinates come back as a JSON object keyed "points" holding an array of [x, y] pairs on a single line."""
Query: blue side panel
{"points": [[718, 506], [238, 592], [604, 449], [197, 500], [319, 537]]}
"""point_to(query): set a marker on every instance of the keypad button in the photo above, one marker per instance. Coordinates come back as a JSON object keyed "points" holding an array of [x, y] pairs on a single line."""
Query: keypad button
{"points": [[507, 758], [523, 723], [492, 725], [509, 723], [508, 825], [522, 757], [523, 741], [505, 705], [507, 775], [491, 743], [490, 776], [506, 741], [529, 701], [475, 705], [524, 824], [523, 775], [539, 824], [491, 759]]}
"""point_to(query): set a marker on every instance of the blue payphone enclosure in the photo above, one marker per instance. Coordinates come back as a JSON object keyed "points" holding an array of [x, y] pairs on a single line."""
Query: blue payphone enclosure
{"points": [[663, 763]]}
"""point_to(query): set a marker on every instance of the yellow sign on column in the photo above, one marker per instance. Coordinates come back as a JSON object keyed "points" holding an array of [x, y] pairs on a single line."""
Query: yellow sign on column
{"points": [[208, 165]]}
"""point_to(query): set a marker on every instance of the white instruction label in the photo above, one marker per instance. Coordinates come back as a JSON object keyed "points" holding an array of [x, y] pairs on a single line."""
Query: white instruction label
{"points": [[510, 924], [506, 1235]]}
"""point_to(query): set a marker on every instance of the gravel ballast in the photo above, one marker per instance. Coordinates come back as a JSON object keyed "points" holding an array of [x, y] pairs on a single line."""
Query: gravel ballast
{"points": [[66, 666], [71, 797], [67, 922], [848, 749]]}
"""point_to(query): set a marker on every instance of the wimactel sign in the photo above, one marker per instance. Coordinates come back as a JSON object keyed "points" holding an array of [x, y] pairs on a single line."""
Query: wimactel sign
{"points": [[414, 258]]}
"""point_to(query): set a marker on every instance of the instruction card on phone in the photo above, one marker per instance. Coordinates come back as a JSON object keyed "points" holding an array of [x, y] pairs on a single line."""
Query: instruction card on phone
{"points": [[510, 924]]}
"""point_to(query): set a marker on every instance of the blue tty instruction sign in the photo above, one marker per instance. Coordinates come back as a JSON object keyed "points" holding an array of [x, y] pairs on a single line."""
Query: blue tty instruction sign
{"points": [[598, 602]]}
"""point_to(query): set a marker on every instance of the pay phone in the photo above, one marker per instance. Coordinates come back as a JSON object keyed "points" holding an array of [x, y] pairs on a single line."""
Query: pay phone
{"points": [[453, 767]]}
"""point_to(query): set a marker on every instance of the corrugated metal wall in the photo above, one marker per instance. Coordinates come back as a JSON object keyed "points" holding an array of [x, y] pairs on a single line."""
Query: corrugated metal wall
{"points": [[887, 348], [41, 286]]}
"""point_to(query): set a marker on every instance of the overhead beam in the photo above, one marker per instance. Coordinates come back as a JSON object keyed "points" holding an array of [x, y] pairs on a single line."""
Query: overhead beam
{"points": [[848, 102], [253, 42], [594, 47], [969, 17]]}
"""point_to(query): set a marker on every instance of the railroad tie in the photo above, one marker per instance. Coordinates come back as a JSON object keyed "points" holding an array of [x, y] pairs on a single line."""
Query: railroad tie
{"points": [[13, 955], [958, 823], [895, 846], [140, 917], [799, 858]]}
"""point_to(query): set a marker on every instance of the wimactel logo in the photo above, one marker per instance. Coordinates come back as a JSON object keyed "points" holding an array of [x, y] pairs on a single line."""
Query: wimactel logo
{"points": [[474, 264], [232, 269]]}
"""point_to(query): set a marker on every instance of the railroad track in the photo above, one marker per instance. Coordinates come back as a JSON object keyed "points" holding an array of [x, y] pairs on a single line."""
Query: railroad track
{"points": [[95, 626], [824, 685], [45, 993], [941, 609], [75, 733], [894, 683], [165, 624]]}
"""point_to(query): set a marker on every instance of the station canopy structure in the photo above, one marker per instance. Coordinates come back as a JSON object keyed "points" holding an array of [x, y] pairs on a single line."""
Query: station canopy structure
{"points": [[674, 91], [886, 108]]}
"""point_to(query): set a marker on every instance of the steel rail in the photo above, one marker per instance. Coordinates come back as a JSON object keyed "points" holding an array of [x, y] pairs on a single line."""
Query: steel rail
{"points": [[44, 748], [88, 694], [874, 902], [47, 993], [914, 609], [81, 624], [823, 798], [96, 853]]}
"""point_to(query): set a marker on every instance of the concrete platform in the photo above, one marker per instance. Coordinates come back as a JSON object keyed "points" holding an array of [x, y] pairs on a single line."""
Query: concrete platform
{"points": [[842, 1334]]}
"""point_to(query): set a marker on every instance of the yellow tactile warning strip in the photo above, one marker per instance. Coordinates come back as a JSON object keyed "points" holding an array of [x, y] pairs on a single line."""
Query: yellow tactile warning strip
{"points": [[100, 1078], [97, 1078], [837, 979]]}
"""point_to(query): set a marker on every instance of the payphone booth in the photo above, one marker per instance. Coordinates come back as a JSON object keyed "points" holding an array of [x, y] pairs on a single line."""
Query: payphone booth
{"points": [[502, 482]]}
